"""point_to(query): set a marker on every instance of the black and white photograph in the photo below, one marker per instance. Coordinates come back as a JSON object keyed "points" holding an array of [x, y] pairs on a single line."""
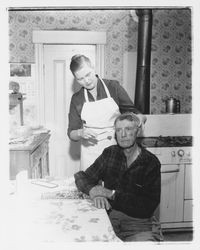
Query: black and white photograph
{"points": [[18, 69], [101, 132]]}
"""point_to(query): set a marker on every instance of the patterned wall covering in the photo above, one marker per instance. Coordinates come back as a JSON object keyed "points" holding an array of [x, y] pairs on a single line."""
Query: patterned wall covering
{"points": [[171, 45], [171, 59]]}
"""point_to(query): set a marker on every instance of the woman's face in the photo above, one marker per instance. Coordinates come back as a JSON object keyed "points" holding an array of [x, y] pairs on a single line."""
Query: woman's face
{"points": [[86, 77]]}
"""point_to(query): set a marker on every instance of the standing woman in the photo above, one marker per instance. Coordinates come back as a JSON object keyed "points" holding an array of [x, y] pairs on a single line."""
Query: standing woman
{"points": [[93, 110]]}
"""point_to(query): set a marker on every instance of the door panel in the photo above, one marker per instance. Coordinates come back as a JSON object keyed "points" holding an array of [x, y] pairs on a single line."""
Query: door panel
{"points": [[188, 204], [64, 155], [171, 205], [188, 181]]}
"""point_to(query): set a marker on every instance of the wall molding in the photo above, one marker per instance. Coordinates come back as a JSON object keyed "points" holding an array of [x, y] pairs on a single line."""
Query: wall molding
{"points": [[69, 37]]}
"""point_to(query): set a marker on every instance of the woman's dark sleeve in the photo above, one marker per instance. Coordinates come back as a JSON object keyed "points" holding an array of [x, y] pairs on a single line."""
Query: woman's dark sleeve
{"points": [[74, 116], [125, 103]]}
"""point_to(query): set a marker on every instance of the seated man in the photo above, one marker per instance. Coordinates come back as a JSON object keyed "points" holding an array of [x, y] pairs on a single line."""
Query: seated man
{"points": [[132, 183]]}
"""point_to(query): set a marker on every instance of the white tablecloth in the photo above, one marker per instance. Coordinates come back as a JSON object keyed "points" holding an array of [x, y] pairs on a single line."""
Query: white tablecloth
{"points": [[57, 220]]}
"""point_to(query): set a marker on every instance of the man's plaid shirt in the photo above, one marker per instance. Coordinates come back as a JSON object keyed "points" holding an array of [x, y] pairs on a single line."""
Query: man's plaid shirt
{"points": [[137, 186]]}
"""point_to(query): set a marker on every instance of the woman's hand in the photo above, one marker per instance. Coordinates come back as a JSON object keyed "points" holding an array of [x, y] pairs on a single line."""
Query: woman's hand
{"points": [[142, 118], [84, 133], [87, 133], [101, 202]]}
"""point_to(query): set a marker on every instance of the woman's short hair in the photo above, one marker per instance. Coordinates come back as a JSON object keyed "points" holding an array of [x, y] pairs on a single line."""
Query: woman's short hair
{"points": [[78, 61], [130, 117]]}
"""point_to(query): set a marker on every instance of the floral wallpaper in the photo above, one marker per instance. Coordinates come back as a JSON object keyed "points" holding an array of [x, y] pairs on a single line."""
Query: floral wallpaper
{"points": [[171, 59], [171, 45]]}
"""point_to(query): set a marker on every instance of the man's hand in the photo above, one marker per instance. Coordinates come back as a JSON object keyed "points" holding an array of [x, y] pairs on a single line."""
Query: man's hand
{"points": [[101, 202], [100, 191]]}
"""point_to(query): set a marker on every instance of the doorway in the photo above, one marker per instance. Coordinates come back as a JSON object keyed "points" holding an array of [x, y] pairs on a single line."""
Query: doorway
{"points": [[59, 86], [55, 86]]}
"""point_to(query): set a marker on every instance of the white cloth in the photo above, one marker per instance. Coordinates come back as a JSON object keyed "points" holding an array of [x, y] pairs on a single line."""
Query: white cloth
{"points": [[99, 116], [56, 218]]}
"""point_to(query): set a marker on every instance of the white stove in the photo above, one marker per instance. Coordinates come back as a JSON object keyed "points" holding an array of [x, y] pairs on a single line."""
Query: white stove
{"points": [[173, 155], [176, 205]]}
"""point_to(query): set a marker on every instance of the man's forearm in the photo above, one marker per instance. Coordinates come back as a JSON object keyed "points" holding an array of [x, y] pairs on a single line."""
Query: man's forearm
{"points": [[100, 191], [82, 182]]}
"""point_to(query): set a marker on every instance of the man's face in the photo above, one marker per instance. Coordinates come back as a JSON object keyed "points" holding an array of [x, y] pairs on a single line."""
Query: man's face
{"points": [[126, 133], [86, 77]]}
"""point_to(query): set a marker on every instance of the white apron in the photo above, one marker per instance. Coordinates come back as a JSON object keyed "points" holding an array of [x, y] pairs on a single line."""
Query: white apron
{"points": [[99, 116]]}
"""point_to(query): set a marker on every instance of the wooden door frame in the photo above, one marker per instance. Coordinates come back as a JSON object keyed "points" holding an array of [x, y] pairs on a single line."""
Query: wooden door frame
{"points": [[41, 37]]}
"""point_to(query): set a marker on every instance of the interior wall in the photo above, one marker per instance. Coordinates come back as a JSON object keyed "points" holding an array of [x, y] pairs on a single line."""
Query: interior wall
{"points": [[171, 60], [171, 47]]}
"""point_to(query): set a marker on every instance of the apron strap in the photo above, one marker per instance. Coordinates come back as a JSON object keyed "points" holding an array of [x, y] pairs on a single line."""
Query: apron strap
{"points": [[86, 95], [105, 87]]}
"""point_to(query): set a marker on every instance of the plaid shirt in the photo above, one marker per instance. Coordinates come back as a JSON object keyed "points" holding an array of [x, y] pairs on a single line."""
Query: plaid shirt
{"points": [[137, 186]]}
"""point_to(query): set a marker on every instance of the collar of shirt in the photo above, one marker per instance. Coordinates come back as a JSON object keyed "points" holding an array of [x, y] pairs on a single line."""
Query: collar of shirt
{"points": [[100, 91], [123, 156]]}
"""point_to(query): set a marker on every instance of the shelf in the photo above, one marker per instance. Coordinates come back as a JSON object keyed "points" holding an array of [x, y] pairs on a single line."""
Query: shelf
{"points": [[165, 141]]}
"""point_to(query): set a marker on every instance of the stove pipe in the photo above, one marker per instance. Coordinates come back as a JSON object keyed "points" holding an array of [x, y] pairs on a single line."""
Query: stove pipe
{"points": [[142, 88]]}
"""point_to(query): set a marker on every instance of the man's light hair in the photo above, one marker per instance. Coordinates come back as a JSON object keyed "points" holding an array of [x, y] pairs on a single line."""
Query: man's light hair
{"points": [[130, 117]]}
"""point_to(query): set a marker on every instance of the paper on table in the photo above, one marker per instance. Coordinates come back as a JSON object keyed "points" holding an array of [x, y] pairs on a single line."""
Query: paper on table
{"points": [[68, 190], [64, 194]]}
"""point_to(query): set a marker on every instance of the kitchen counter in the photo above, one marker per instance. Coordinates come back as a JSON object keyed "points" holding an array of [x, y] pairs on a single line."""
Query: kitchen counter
{"points": [[165, 141], [30, 153], [28, 143]]}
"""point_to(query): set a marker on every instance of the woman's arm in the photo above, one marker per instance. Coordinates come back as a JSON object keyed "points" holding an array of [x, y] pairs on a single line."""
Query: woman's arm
{"points": [[74, 117], [76, 131], [121, 97], [84, 133], [126, 103]]}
